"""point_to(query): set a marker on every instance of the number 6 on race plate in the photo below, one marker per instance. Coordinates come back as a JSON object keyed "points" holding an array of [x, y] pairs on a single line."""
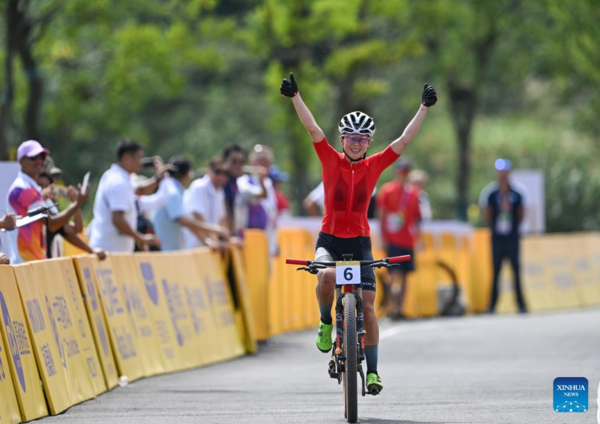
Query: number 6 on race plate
{"points": [[347, 273]]}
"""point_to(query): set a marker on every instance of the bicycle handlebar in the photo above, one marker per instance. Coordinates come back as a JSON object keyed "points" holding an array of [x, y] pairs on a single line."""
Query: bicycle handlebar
{"points": [[396, 259], [375, 263], [302, 262]]}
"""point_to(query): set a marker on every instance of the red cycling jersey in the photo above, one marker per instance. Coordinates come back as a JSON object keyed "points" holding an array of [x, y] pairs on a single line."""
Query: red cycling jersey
{"points": [[348, 189]]}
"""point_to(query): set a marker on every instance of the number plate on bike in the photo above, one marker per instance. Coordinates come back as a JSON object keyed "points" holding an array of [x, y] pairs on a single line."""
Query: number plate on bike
{"points": [[347, 273]]}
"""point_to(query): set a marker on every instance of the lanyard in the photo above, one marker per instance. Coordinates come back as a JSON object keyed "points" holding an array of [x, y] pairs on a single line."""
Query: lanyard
{"points": [[505, 205]]}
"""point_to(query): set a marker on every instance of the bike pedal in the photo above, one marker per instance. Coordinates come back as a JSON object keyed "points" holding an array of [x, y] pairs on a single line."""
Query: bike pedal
{"points": [[373, 391], [332, 370]]}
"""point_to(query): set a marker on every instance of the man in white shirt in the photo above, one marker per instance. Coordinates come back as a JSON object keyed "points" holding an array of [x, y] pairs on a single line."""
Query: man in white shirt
{"points": [[205, 201], [256, 202], [170, 220], [114, 228]]}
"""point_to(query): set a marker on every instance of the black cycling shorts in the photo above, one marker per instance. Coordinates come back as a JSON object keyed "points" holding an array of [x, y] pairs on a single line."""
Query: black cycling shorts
{"points": [[331, 248]]}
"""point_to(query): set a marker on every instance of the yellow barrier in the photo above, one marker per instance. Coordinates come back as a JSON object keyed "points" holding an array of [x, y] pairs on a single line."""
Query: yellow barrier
{"points": [[85, 266], [178, 304], [61, 334], [209, 269], [164, 312], [122, 337], [17, 361], [129, 282], [9, 408], [256, 258], [241, 284]]}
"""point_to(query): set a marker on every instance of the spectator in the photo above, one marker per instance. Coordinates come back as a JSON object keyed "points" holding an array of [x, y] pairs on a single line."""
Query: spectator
{"points": [[70, 231], [398, 204], [234, 157], [279, 177], [314, 203], [169, 220], [28, 243], [256, 202], [419, 179], [205, 202], [503, 213], [115, 213], [7, 222]]}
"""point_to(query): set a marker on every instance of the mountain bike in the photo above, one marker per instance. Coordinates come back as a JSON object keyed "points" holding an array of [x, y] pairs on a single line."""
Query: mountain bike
{"points": [[348, 351]]}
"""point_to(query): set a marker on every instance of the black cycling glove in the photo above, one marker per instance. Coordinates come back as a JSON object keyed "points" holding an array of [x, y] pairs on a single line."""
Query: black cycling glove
{"points": [[429, 96], [289, 88]]}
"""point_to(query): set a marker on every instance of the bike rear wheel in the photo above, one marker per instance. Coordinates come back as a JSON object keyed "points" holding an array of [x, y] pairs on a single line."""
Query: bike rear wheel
{"points": [[350, 352]]}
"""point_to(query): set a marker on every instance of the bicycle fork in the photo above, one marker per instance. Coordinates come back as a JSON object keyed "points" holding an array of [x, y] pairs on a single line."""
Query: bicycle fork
{"points": [[336, 365]]}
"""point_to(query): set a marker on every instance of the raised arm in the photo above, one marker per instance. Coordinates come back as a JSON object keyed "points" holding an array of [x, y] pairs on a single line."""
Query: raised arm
{"points": [[290, 89], [429, 98]]}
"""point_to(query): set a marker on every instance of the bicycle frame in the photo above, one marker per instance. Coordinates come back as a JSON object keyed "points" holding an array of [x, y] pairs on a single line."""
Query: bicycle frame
{"points": [[347, 360]]}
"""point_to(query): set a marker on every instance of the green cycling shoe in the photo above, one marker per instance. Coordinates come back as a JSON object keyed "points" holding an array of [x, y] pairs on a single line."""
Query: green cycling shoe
{"points": [[324, 337], [374, 384]]}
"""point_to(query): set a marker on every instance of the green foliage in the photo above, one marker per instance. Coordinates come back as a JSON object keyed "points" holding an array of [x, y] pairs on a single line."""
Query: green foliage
{"points": [[194, 75]]}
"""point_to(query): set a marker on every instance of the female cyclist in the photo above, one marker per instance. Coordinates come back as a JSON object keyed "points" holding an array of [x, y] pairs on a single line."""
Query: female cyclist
{"points": [[349, 179]]}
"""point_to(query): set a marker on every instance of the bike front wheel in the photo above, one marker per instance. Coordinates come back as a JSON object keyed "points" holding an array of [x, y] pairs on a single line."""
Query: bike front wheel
{"points": [[350, 352]]}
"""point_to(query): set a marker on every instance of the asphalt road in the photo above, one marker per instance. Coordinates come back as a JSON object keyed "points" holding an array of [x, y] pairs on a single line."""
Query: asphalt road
{"points": [[485, 369]]}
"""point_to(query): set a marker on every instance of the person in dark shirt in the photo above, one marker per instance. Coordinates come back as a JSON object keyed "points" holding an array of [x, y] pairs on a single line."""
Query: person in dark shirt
{"points": [[235, 157], [504, 213]]}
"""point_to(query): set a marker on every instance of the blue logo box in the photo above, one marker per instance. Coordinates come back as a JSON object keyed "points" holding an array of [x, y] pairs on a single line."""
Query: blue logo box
{"points": [[571, 394]]}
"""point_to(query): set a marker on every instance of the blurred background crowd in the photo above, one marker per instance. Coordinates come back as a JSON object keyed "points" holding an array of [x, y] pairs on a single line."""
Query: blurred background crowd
{"points": [[196, 83]]}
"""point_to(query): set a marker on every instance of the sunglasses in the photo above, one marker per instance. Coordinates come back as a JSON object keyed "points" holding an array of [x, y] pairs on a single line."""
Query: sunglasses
{"points": [[220, 171], [41, 156], [357, 139]]}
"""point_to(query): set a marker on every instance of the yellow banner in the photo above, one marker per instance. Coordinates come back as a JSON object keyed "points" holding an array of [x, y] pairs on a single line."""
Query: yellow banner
{"points": [[128, 279], [208, 267], [257, 274], [57, 285], [235, 257], [126, 350], [17, 361], [155, 269], [85, 266], [9, 408], [203, 339]]}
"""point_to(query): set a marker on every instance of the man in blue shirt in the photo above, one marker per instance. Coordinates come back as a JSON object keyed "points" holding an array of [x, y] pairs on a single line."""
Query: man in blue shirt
{"points": [[169, 219], [504, 213]]}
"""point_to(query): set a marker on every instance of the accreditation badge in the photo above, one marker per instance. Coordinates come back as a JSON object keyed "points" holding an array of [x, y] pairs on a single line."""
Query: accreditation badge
{"points": [[504, 223], [395, 221]]}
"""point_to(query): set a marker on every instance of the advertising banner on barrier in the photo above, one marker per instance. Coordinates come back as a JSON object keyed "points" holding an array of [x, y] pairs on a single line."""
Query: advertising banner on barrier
{"points": [[9, 408], [187, 306], [208, 267], [158, 301], [58, 288], [48, 341], [580, 249], [20, 362], [87, 283], [83, 331], [125, 345], [539, 290], [128, 279], [257, 274], [561, 273], [235, 257]]}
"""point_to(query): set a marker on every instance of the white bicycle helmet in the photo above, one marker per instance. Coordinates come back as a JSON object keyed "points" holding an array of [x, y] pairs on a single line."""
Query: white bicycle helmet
{"points": [[357, 123]]}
